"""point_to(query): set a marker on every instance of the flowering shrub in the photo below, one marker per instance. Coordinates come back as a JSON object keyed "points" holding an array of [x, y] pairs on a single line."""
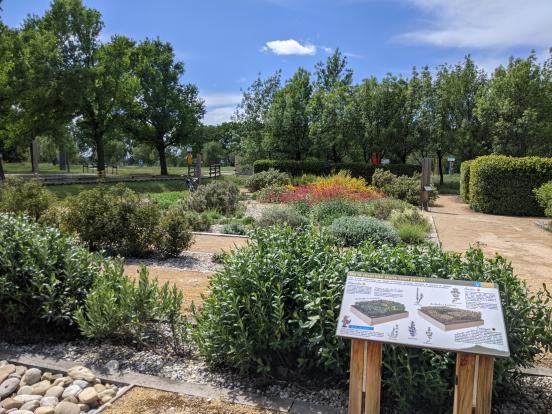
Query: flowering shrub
{"points": [[341, 186]]}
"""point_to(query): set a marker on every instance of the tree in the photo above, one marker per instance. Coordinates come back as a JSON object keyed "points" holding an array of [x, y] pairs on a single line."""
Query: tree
{"points": [[251, 116], [288, 119], [212, 152], [516, 107], [164, 113], [333, 94]]}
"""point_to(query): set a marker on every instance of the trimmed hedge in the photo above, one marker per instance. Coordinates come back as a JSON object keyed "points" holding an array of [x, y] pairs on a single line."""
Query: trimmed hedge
{"points": [[358, 169], [465, 180], [504, 185]]}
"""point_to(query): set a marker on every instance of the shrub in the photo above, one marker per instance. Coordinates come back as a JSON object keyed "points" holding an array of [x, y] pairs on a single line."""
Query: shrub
{"points": [[284, 313], [504, 185], [218, 195], [402, 187], [44, 275], [173, 234], [544, 197], [352, 231], [268, 178], [114, 219], [234, 228], [271, 194], [412, 233], [118, 307], [411, 225], [282, 215], [25, 196], [297, 168], [465, 181], [382, 208], [327, 211], [196, 221]]}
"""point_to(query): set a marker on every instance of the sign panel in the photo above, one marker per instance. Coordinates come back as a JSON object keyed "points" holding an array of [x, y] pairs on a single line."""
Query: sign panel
{"points": [[450, 315], [451, 158]]}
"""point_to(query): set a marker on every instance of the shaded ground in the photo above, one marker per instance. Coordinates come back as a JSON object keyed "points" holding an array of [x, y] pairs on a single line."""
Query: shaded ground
{"points": [[150, 401], [519, 239], [193, 284]]}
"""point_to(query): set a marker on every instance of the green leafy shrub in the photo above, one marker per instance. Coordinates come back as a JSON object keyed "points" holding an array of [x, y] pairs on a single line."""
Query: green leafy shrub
{"points": [[544, 197], [118, 307], [383, 207], [401, 187], [504, 185], [44, 275], [282, 215], [268, 178], [327, 211], [465, 181], [270, 194], [167, 199], [114, 219], [284, 313], [411, 225], [218, 195], [234, 228], [412, 233], [297, 168], [196, 221], [25, 196], [352, 231], [174, 234]]}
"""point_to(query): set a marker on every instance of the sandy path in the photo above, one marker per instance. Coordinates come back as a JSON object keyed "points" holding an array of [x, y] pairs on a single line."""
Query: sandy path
{"points": [[193, 284], [519, 239], [206, 243]]}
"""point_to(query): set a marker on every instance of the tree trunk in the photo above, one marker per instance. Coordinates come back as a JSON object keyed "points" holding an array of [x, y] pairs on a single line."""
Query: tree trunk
{"points": [[2, 175], [98, 138], [440, 163], [34, 156], [335, 155], [62, 160], [162, 160]]}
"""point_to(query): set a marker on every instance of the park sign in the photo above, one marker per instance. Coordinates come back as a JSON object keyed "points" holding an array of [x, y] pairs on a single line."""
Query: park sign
{"points": [[442, 314], [450, 315]]}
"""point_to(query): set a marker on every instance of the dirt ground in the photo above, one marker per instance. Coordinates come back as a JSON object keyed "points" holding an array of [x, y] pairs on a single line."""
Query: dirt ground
{"points": [[519, 239], [193, 284], [206, 243], [150, 401]]}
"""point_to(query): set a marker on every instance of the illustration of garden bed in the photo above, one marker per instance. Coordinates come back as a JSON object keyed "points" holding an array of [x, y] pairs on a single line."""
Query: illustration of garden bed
{"points": [[374, 312], [449, 319]]}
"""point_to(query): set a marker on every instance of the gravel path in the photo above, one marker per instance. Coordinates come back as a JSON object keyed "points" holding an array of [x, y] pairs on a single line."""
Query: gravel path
{"points": [[189, 260]]}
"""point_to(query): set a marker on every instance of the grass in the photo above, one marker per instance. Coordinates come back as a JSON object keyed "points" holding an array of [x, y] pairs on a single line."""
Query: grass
{"points": [[167, 199], [451, 184], [165, 186], [48, 168]]}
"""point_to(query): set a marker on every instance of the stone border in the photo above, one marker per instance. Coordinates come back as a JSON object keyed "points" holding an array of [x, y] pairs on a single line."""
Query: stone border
{"points": [[284, 405], [433, 234], [206, 233]]}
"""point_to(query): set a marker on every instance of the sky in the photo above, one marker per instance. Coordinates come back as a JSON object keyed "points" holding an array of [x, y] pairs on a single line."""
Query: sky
{"points": [[226, 44]]}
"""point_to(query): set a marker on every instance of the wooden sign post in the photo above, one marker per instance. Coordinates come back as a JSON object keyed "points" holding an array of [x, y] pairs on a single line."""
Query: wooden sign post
{"points": [[476, 336]]}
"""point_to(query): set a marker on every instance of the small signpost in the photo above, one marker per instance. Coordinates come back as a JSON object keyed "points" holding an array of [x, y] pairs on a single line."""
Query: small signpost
{"points": [[451, 315]]}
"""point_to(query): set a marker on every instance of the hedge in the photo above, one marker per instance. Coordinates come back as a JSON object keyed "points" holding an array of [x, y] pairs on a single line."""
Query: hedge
{"points": [[504, 185], [465, 180], [358, 169]]}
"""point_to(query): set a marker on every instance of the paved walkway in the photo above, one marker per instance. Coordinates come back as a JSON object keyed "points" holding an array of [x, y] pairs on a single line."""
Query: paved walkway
{"points": [[519, 239]]}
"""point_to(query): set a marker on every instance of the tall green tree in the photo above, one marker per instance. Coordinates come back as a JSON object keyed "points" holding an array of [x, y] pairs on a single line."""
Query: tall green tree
{"points": [[516, 108], [164, 113], [288, 119]]}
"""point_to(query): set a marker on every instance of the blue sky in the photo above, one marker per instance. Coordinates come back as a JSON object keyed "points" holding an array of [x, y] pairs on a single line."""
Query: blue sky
{"points": [[226, 43]]}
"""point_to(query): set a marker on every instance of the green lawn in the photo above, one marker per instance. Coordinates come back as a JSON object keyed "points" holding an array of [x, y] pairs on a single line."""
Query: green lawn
{"points": [[48, 168], [451, 184], [165, 186]]}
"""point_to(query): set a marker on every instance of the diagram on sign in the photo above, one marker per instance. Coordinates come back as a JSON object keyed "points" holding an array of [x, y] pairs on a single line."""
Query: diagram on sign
{"points": [[427, 312], [449, 319], [375, 312]]}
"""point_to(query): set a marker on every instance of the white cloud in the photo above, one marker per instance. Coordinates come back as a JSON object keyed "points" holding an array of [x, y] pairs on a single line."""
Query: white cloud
{"points": [[484, 23], [289, 47], [217, 116], [221, 99]]}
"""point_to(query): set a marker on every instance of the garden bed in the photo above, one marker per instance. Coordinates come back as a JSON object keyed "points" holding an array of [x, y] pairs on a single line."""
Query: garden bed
{"points": [[449, 319], [379, 311]]}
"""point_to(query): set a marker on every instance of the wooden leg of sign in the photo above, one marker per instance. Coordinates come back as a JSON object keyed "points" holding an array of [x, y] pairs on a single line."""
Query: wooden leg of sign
{"points": [[355, 376], [372, 378], [463, 390], [484, 385]]}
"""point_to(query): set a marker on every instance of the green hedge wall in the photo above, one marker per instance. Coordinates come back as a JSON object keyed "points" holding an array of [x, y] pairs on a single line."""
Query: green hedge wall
{"points": [[504, 185], [296, 168], [465, 180]]}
